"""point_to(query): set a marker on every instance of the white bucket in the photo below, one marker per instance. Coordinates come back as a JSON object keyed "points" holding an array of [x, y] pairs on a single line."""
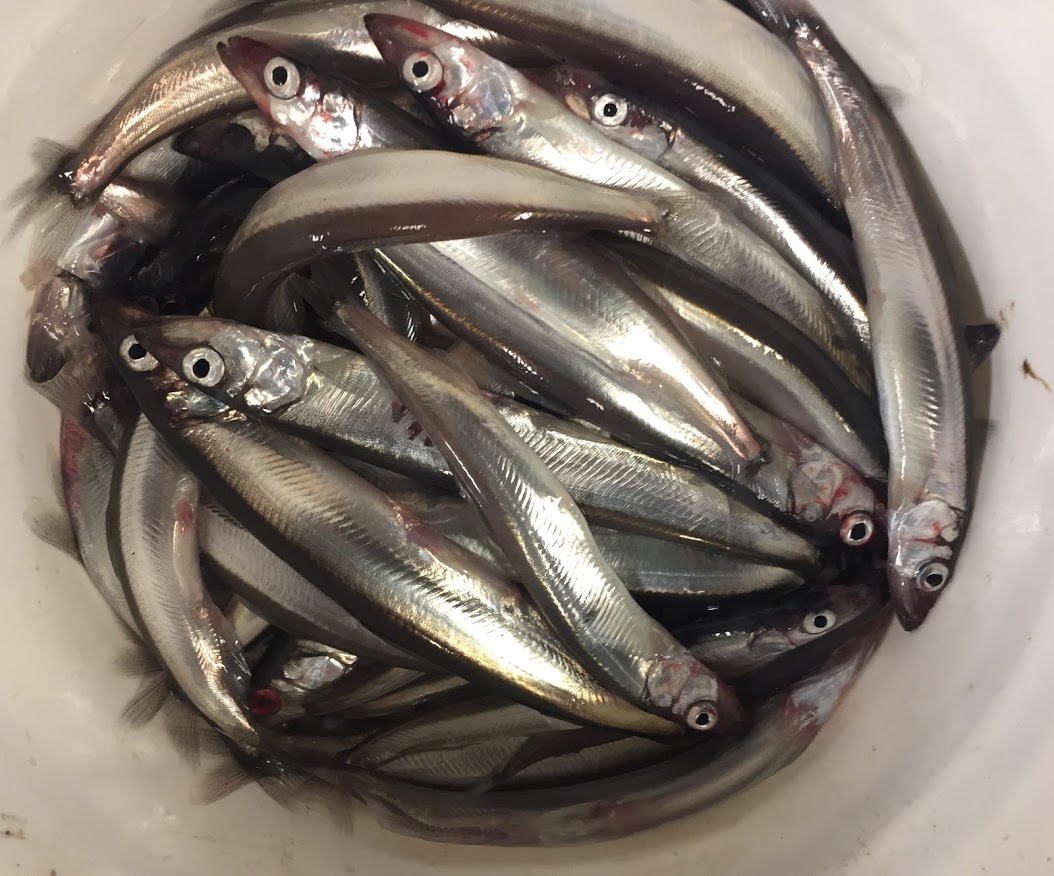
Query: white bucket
{"points": [[940, 760]]}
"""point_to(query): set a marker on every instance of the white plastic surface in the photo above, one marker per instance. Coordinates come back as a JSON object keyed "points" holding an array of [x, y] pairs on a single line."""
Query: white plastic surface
{"points": [[941, 760]]}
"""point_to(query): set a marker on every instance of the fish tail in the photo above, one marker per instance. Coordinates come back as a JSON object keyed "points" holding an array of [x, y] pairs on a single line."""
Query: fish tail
{"points": [[32, 197]]}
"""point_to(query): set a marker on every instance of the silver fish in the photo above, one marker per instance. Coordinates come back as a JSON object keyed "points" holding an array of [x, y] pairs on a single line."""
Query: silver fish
{"points": [[194, 84], [821, 254], [154, 543], [541, 530], [421, 692], [458, 769], [349, 693], [87, 477], [392, 196], [456, 726], [588, 763], [395, 573], [286, 598], [742, 642], [918, 350], [778, 370], [660, 396], [649, 567], [704, 55], [246, 624], [291, 673], [622, 805], [561, 317], [501, 112], [337, 398]]}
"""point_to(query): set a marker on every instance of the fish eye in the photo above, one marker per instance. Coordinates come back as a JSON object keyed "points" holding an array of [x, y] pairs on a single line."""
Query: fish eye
{"points": [[932, 576], [203, 366], [819, 622], [610, 110], [702, 716], [857, 529], [136, 356], [422, 71], [282, 78]]}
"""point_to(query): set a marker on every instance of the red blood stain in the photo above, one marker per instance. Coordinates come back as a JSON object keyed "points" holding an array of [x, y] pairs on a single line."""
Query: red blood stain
{"points": [[186, 516], [264, 701]]}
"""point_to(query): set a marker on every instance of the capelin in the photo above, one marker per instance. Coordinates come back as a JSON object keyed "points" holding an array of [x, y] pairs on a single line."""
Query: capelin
{"points": [[809, 703], [922, 542], [60, 328]]}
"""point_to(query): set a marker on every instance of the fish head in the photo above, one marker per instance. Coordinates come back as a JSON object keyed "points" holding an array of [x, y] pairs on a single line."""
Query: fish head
{"points": [[469, 91], [247, 368], [809, 703], [60, 327], [320, 113], [609, 109], [160, 392], [750, 640], [923, 537], [831, 495]]}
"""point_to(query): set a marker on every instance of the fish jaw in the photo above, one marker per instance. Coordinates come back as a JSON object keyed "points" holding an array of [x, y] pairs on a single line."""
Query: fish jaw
{"points": [[467, 89], [923, 536]]}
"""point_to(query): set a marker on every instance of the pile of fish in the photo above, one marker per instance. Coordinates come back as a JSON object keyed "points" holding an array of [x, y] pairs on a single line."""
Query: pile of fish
{"points": [[518, 416]]}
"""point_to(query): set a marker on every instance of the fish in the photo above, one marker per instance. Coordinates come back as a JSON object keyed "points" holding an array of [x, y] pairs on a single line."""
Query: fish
{"points": [[87, 467], [179, 279], [746, 640], [556, 766], [152, 531], [348, 694], [246, 142], [542, 532], [629, 802], [104, 241], [381, 292], [67, 364], [651, 568], [707, 57], [920, 363], [681, 391], [456, 726], [459, 769], [501, 112], [512, 296], [334, 397], [402, 579], [383, 197], [247, 625], [425, 691], [291, 672], [286, 598], [193, 84], [770, 363], [822, 254]]}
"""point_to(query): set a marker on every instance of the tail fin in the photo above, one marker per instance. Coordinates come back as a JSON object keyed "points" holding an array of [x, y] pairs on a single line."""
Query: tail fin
{"points": [[31, 197]]}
